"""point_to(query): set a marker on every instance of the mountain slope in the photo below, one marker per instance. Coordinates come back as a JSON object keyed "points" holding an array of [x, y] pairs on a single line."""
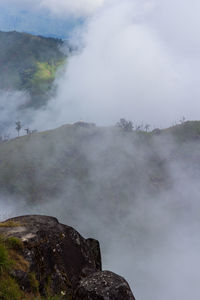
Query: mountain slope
{"points": [[93, 162], [29, 63], [91, 167], [137, 192]]}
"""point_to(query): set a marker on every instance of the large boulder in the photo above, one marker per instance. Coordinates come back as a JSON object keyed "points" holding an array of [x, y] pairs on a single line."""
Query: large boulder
{"points": [[103, 285], [54, 259], [57, 256]]}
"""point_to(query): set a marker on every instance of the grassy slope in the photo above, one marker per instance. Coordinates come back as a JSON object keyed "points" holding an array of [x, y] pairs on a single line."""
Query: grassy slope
{"points": [[11, 259], [37, 166], [29, 63], [189, 130], [93, 162]]}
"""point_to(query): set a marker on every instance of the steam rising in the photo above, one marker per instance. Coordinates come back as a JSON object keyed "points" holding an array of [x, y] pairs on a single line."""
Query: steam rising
{"points": [[134, 64], [139, 197], [139, 60], [11, 106], [134, 61]]}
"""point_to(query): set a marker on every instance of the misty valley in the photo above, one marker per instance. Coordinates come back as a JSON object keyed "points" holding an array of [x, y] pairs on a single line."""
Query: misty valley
{"points": [[99, 182], [132, 190]]}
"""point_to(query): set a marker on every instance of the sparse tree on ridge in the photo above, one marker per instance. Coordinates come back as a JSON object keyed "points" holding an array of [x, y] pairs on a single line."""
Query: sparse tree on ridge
{"points": [[18, 127], [146, 127], [6, 137], [125, 125], [138, 127], [27, 131], [182, 120]]}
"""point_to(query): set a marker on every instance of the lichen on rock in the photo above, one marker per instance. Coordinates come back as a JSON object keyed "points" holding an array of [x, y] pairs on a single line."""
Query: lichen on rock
{"points": [[103, 285], [53, 259]]}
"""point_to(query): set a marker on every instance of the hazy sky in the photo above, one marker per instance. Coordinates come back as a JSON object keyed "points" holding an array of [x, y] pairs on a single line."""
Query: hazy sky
{"points": [[138, 59], [60, 7], [28, 16]]}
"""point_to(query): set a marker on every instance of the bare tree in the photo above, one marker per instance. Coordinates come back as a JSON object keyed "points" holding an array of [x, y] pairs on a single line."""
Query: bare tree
{"points": [[33, 131], [27, 130], [6, 137], [138, 127], [146, 127], [182, 120], [18, 127], [125, 125]]}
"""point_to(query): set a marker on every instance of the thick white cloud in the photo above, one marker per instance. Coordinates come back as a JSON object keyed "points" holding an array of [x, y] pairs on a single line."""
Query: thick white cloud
{"points": [[140, 61], [178, 23], [124, 70]]}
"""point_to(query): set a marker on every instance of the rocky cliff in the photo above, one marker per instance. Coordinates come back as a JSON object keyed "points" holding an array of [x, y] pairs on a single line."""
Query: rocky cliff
{"points": [[51, 259]]}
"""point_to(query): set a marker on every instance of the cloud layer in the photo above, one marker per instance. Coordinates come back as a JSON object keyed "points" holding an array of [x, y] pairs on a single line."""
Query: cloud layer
{"points": [[139, 198], [139, 60]]}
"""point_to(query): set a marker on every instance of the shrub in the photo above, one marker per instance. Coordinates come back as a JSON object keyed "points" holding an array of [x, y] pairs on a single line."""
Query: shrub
{"points": [[125, 125], [34, 283], [5, 262], [14, 243], [9, 289]]}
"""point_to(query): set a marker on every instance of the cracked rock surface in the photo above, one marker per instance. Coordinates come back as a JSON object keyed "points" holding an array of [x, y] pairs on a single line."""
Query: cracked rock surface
{"points": [[57, 260], [103, 285], [57, 254]]}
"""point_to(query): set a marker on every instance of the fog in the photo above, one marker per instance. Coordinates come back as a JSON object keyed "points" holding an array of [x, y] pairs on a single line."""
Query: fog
{"points": [[138, 197], [138, 60], [12, 107]]}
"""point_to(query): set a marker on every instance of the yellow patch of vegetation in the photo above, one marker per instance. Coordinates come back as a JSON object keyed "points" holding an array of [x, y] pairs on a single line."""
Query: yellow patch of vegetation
{"points": [[10, 223], [46, 71]]}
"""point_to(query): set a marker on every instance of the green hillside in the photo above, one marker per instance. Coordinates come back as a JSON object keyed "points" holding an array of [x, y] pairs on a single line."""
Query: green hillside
{"points": [[94, 163], [186, 131], [29, 63]]}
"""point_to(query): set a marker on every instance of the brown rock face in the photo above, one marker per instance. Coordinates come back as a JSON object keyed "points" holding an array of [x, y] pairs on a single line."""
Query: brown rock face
{"points": [[57, 254], [103, 285]]}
